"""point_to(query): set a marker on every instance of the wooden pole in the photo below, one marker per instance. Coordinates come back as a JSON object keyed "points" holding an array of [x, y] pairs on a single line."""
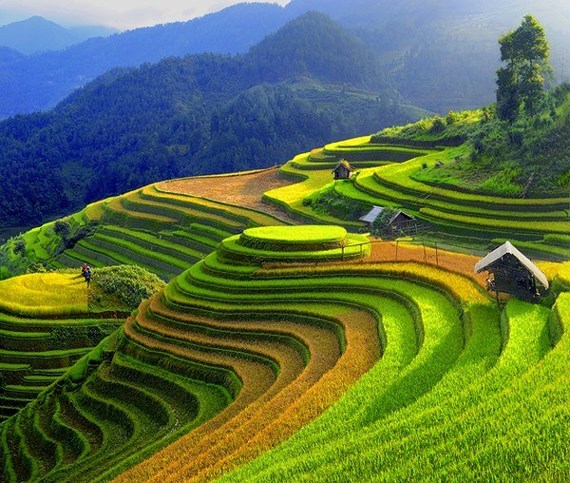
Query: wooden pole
{"points": [[436, 257]]}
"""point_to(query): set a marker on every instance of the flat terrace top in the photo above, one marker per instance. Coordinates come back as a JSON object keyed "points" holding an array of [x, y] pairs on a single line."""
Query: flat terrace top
{"points": [[297, 234]]}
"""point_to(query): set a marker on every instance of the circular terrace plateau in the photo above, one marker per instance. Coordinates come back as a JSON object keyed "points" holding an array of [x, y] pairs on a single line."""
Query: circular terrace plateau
{"points": [[293, 238]]}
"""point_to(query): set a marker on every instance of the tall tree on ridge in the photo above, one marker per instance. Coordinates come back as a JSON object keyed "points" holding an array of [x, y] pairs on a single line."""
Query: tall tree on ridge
{"points": [[520, 84]]}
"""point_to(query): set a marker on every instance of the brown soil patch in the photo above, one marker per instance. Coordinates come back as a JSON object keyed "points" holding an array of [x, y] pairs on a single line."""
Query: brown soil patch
{"points": [[456, 262], [245, 190]]}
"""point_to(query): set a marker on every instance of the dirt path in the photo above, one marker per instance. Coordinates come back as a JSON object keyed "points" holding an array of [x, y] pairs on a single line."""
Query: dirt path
{"points": [[243, 190]]}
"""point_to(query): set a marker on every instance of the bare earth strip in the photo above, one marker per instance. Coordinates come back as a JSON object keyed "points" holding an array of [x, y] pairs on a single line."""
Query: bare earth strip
{"points": [[243, 190]]}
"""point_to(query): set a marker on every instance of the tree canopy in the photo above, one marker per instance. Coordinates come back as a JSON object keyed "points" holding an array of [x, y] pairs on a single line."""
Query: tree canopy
{"points": [[526, 55]]}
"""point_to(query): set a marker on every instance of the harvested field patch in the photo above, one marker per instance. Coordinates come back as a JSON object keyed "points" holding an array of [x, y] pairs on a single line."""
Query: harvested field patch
{"points": [[239, 189]]}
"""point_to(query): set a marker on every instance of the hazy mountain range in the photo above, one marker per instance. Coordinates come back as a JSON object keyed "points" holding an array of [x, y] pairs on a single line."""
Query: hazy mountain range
{"points": [[37, 34], [442, 54]]}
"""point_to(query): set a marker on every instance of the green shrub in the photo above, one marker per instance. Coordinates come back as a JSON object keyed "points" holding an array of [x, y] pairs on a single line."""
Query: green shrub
{"points": [[328, 201], [130, 284]]}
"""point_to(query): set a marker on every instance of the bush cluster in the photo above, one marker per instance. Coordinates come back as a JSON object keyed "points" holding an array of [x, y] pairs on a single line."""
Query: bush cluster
{"points": [[130, 283], [328, 202]]}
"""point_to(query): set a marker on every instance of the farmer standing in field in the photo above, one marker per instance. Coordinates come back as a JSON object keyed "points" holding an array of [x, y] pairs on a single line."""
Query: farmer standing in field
{"points": [[86, 273]]}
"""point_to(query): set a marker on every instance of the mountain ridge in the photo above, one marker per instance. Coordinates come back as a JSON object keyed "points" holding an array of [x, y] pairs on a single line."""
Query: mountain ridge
{"points": [[38, 34], [418, 42]]}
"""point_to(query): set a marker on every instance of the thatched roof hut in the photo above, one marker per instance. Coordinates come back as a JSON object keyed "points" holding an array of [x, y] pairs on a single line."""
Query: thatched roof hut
{"points": [[343, 170], [512, 272]]}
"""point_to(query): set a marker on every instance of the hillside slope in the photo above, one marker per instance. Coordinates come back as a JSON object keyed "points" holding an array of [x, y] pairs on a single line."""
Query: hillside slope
{"points": [[276, 349], [241, 359], [39, 82], [196, 115]]}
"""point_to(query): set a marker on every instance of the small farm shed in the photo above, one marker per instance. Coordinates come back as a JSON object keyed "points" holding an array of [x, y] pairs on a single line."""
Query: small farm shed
{"points": [[511, 272], [400, 221], [343, 170], [388, 222]]}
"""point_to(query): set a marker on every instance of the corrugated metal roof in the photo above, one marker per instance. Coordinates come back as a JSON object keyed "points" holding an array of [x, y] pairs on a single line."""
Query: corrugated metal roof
{"points": [[501, 251], [372, 214]]}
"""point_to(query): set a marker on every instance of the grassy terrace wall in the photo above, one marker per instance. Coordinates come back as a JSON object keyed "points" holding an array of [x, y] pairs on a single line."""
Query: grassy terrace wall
{"points": [[316, 330], [500, 408], [286, 366]]}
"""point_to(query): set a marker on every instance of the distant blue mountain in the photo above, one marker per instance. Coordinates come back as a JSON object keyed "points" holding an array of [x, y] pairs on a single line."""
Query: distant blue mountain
{"points": [[36, 34], [42, 80], [442, 54]]}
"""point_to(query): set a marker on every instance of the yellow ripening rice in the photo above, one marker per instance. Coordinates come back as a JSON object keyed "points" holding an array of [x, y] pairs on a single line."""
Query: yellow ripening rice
{"points": [[44, 294]]}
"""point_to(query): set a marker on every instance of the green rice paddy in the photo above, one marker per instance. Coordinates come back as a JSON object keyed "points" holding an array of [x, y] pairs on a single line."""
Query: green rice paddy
{"points": [[279, 353]]}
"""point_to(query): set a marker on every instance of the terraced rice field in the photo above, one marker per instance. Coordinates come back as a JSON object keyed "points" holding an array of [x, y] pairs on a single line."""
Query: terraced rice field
{"points": [[160, 230], [385, 177], [258, 363], [45, 326], [290, 352]]}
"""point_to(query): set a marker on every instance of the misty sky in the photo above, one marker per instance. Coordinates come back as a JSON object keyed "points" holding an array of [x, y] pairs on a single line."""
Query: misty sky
{"points": [[120, 14]]}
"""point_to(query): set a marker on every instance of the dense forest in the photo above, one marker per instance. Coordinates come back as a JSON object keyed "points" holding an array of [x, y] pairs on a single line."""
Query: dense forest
{"points": [[195, 115]]}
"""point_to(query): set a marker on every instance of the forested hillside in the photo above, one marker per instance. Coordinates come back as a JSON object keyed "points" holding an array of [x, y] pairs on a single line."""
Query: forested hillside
{"points": [[194, 115], [40, 81]]}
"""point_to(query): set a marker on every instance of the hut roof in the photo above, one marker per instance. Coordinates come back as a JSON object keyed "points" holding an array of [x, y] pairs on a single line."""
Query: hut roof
{"points": [[398, 213], [372, 214], [508, 248], [344, 163]]}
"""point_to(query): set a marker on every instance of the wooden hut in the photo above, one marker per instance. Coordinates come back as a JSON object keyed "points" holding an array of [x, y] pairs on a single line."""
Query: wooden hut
{"points": [[511, 272], [401, 222], [392, 223], [343, 170]]}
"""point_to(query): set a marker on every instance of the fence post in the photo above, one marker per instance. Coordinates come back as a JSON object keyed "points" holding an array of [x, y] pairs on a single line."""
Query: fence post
{"points": [[436, 257]]}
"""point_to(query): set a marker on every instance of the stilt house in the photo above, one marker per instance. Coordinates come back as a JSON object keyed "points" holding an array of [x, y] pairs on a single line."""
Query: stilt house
{"points": [[511, 272]]}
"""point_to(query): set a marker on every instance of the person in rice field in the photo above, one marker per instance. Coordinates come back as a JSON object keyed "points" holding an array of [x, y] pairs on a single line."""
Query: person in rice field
{"points": [[87, 274]]}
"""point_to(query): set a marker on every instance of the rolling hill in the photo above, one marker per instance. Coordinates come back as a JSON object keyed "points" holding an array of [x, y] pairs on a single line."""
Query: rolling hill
{"points": [[287, 346]]}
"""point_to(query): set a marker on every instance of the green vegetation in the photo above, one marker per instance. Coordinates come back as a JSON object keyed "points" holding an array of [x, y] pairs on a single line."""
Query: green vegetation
{"points": [[276, 237], [203, 115], [130, 285], [325, 202], [285, 352], [521, 82], [47, 324], [526, 158], [359, 438], [162, 232]]}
